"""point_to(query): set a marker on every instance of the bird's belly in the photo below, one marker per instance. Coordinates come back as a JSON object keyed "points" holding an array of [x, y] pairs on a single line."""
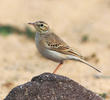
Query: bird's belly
{"points": [[52, 55]]}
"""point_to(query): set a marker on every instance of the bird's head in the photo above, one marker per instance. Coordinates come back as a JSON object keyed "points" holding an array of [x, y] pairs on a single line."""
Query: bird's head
{"points": [[40, 26]]}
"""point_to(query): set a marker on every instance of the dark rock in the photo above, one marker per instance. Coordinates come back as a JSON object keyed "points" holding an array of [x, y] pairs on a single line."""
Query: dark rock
{"points": [[49, 86]]}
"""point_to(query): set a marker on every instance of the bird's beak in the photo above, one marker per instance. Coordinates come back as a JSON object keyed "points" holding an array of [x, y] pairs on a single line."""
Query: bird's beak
{"points": [[31, 23]]}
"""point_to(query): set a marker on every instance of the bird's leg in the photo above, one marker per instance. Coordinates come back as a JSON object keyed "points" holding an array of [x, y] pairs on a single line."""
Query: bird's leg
{"points": [[57, 67]]}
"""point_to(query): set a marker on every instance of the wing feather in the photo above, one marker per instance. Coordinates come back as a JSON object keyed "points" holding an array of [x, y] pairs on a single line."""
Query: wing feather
{"points": [[53, 42]]}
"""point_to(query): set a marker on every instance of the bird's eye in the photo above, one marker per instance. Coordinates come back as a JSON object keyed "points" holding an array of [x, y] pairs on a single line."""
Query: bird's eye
{"points": [[41, 25]]}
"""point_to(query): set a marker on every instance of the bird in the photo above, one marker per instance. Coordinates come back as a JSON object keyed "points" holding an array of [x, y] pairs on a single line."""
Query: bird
{"points": [[52, 47]]}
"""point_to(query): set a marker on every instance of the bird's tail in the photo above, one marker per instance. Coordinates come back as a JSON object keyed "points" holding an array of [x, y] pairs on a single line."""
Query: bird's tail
{"points": [[85, 62]]}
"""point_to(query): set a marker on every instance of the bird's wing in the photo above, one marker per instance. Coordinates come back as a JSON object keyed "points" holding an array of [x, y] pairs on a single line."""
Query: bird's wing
{"points": [[53, 42]]}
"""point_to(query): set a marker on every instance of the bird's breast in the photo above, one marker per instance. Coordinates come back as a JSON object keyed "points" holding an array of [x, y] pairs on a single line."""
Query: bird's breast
{"points": [[50, 54]]}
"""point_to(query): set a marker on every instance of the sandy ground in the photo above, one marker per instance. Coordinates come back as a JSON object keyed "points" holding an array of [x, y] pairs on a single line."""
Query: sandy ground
{"points": [[70, 19]]}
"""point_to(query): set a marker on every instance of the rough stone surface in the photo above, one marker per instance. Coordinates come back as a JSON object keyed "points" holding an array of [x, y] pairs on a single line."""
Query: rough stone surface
{"points": [[49, 86]]}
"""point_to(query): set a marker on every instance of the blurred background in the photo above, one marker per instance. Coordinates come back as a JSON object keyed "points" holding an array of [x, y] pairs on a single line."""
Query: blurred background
{"points": [[83, 24]]}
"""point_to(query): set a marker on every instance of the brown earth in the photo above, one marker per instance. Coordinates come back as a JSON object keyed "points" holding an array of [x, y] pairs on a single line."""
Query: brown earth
{"points": [[19, 59]]}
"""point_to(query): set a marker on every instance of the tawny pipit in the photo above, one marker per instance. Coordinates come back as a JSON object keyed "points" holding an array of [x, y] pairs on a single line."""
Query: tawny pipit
{"points": [[54, 48]]}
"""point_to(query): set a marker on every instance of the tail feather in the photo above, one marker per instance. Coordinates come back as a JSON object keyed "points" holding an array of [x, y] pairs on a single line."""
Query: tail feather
{"points": [[85, 62]]}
